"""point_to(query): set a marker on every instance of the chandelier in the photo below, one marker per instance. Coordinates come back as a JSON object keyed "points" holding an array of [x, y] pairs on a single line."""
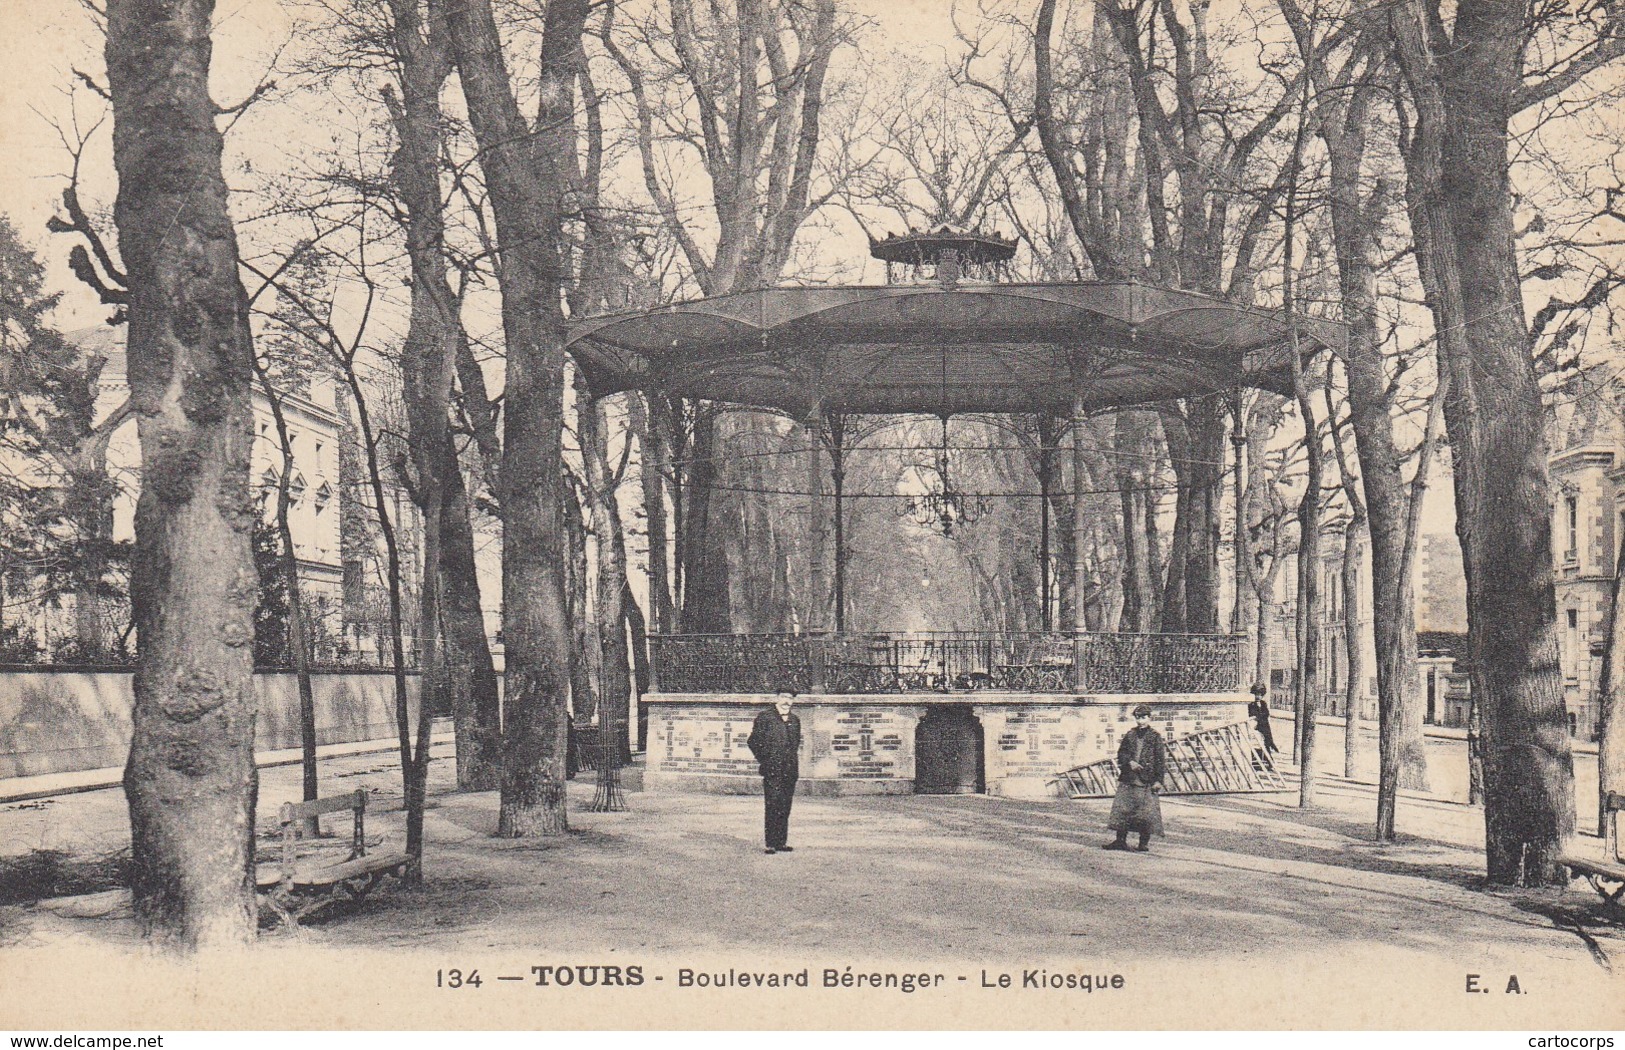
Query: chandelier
{"points": [[942, 507]]}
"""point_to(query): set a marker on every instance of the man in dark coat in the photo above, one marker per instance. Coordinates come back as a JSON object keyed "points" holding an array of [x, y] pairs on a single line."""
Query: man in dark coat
{"points": [[1259, 712], [1142, 762], [775, 740]]}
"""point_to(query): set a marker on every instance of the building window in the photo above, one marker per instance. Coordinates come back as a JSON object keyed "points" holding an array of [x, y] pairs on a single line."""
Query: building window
{"points": [[1571, 670], [1571, 506]]}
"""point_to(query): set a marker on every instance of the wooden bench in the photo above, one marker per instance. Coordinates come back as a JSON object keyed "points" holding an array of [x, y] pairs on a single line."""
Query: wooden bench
{"points": [[305, 878], [1607, 876]]}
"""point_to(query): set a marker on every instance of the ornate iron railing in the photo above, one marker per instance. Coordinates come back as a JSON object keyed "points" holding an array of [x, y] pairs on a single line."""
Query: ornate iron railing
{"points": [[1158, 663], [733, 663], [944, 661]]}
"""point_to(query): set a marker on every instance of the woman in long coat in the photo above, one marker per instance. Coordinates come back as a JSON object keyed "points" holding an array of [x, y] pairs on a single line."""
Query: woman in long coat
{"points": [[1142, 762]]}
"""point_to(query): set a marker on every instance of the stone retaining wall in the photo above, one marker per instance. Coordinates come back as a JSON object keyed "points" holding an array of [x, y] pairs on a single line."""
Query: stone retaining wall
{"points": [[62, 720], [867, 744]]}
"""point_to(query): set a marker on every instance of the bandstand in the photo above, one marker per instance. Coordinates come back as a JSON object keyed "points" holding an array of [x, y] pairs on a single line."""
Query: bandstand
{"points": [[903, 712]]}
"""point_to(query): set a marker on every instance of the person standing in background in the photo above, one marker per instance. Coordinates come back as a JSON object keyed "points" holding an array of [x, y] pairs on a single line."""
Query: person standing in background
{"points": [[775, 741], [1142, 762], [1259, 712]]}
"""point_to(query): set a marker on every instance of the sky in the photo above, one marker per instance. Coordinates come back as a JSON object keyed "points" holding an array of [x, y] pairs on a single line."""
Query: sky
{"points": [[43, 43], [46, 40]]}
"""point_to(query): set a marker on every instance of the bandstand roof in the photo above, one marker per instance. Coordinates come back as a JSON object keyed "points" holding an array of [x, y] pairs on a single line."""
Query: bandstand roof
{"points": [[935, 349]]}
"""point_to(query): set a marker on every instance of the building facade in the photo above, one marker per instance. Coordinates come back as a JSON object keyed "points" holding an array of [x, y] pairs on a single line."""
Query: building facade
{"points": [[1588, 521], [1587, 470], [314, 428]]}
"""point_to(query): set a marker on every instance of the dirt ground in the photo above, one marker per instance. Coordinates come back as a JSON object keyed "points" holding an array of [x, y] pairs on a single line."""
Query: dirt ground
{"points": [[957, 881]]}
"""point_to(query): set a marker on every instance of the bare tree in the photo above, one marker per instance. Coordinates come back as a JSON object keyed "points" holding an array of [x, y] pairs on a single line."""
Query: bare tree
{"points": [[1349, 84], [298, 643], [1466, 79], [407, 40], [738, 94], [756, 136], [308, 311], [190, 780], [428, 359], [1188, 210], [1267, 520], [1354, 527], [609, 604], [523, 172]]}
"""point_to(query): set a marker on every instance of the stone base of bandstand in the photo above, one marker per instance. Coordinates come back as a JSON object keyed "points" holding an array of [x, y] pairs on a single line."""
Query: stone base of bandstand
{"points": [[1006, 744], [741, 784]]}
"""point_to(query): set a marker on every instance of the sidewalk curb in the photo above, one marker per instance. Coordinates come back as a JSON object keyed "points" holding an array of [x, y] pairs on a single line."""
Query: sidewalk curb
{"points": [[1431, 732]]}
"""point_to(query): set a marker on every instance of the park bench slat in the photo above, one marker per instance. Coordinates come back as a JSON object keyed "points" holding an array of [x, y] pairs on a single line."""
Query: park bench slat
{"points": [[353, 800], [1607, 877], [300, 882], [330, 874], [1597, 867]]}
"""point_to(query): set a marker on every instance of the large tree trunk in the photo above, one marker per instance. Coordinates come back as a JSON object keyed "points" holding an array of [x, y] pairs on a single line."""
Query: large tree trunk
{"points": [[1352, 649], [1129, 619], [526, 191], [654, 468], [1461, 206], [1400, 748], [705, 569], [428, 357], [298, 645], [1205, 476], [471, 674], [90, 496], [1356, 220], [1352, 635], [1305, 665], [1062, 541], [638, 629], [1400, 710], [1308, 610], [1195, 437], [190, 779], [615, 681], [757, 574], [583, 662], [1140, 599], [1171, 617]]}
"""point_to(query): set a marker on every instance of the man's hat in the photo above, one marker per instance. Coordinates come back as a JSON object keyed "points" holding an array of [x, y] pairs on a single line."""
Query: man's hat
{"points": [[1258, 689], [1143, 709]]}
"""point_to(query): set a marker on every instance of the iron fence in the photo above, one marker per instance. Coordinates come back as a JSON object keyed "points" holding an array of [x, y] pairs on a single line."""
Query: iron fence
{"points": [[946, 661]]}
